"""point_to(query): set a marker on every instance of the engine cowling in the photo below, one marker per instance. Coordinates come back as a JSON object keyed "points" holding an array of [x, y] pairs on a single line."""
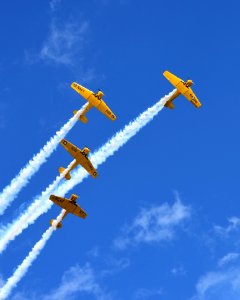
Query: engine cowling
{"points": [[100, 94], [73, 198], [86, 151], [189, 82]]}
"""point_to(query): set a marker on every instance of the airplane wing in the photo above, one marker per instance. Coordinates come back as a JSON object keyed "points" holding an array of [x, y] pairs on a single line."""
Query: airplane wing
{"points": [[87, 165], [103, 108], [69, 206], [172, 78], [72, 149], [79, 212], [85, 93], [60, 201], [189, 94]]}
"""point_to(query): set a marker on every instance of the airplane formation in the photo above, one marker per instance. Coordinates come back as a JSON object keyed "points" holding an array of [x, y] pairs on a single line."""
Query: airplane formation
{"points": [[81, 156]]}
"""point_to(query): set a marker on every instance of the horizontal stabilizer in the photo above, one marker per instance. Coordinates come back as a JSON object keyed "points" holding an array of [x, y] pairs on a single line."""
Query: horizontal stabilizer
{"points": [[82, 118], [169, 104], [59, 224], [67, 176]]}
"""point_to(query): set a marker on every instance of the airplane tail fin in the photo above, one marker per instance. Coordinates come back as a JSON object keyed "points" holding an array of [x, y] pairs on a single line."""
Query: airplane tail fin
{"points": [[67, 176], [59, 224], [169, 104], [82, 118]]}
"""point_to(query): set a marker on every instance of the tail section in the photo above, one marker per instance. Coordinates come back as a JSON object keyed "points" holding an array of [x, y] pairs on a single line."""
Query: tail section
{"points": [[82, 118], [58, 226], [67, 176]]}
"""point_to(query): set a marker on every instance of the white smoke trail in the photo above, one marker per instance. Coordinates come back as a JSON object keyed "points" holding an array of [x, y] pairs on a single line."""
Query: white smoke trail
{"points": [[41, 204], [9, 232], [11, 191], [27, 262], [115, 143]]}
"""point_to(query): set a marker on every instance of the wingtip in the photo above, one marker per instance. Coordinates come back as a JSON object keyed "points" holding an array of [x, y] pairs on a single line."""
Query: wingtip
{"points": [[165, 73], [63, 142]]}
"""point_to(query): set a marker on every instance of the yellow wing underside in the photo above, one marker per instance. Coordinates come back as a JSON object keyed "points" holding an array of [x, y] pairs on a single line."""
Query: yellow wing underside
{"points": [[85, 93], [72, 149], [87, 165], [81, 159], [93, 100], [172, 78]]}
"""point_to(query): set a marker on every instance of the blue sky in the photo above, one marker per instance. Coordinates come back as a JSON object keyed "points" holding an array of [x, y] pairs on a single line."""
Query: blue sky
{"points": [[163, 215]]}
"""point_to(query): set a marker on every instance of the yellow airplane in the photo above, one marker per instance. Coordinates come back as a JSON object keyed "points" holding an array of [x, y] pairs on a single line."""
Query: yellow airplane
{"points": [[69, 205], [182, 88], [81, 157], [94, 99]]}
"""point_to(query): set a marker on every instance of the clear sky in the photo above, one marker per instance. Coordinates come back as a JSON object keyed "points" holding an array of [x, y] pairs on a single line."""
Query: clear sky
{"points": [[163, 215]]}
